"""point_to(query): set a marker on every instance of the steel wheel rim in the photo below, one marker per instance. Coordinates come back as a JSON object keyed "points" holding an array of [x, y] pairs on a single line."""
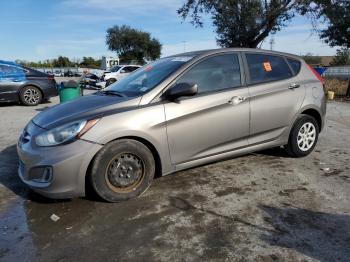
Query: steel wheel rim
{"points": [[306, 136], [31, 96], [125, 172]]}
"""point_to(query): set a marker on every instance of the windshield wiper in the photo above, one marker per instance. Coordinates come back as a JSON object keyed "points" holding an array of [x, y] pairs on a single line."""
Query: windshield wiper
{"points": [[111, 93]]}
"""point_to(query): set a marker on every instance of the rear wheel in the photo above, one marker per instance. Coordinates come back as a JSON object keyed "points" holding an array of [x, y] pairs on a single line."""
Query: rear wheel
{"points": [[303, 136], [110, 81], [30, 96], [122, 170]]}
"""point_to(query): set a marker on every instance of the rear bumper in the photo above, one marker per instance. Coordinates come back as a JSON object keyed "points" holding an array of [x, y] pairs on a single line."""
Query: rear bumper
{"points": [[68, 165], [50, 91]]}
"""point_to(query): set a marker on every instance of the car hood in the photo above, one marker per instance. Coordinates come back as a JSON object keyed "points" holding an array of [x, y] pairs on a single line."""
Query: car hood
{"points": [[86, 107]]}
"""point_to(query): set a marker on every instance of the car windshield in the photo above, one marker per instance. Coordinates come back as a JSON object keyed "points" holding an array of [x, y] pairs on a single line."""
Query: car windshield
{"points": [[115, 68], [148, 77]]}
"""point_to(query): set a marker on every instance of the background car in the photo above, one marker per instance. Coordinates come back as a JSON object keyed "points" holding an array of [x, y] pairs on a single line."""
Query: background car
{"points": [[118, 72], [25, 85], [58, 73]]}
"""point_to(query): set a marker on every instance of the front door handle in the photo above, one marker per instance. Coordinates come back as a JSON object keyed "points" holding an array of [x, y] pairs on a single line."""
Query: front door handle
{"points": [[236, 100], [293, 86]]}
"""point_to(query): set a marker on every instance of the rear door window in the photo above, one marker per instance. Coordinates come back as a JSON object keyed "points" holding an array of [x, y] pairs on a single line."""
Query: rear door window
{"points": [[295, 65], [129, 69], [215, 73], [267, 68]]}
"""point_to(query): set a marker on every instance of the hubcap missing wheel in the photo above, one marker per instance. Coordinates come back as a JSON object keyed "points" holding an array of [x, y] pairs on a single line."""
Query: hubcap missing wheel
{"points": [[124, 172]]}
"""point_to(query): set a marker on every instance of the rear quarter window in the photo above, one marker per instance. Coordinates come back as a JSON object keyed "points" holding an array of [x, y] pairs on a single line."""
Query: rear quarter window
{"points": [[266, 68], [295, 65]]}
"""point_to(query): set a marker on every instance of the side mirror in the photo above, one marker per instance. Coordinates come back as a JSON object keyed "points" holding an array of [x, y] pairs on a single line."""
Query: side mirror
{"points": [[181, 89], [122, 71]]}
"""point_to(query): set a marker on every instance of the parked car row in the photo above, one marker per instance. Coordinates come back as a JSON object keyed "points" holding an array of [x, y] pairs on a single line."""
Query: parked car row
{"points": [[109, 77]]}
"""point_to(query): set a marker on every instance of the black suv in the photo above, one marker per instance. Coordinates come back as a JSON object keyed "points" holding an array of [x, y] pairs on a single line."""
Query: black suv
{"points": [[25, 85]]}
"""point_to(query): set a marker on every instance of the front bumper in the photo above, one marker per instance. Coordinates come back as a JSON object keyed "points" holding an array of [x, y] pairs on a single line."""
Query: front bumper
{"points": [[68, 164]]}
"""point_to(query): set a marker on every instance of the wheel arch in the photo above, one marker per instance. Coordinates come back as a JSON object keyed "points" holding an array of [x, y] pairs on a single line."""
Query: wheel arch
{"points": [[315, 114]]}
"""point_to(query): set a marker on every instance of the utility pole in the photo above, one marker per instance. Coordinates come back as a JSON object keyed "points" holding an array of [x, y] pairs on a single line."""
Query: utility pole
{"points": [[272, 42]]}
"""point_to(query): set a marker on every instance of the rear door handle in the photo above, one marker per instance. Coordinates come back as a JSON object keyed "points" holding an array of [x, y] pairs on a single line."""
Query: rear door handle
{"points": [[236, 100], [293, 86]]}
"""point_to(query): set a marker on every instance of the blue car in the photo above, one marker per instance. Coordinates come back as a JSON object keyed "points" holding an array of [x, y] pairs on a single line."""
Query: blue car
{"points": [[25, 85]]}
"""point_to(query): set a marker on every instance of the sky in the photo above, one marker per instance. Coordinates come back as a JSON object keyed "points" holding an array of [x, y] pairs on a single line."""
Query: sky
{"points": [[43, 29]]}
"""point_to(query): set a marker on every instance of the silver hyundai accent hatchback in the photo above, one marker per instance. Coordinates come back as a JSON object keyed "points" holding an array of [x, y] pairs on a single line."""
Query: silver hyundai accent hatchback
{"points": [[175, 113]]}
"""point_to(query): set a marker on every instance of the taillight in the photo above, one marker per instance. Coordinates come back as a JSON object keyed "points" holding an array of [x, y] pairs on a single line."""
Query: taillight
{"points": [[316, 74], [51, 77]]}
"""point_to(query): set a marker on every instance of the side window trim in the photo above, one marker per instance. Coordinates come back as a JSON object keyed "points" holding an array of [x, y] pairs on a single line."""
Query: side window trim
{"points": [[242, 85], [290, 58], [247, 73]]}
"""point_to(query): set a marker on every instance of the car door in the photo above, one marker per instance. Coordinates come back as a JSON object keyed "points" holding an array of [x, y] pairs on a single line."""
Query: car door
{"points": [[11, 77], [275, 95], [214, 121]]}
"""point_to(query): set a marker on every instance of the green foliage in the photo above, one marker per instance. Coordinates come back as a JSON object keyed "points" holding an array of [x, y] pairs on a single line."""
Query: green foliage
{"points": [[342, 57], [241, 23], [132, 44], [312, 59], [90, 62], [335, 14], [61, 61]]}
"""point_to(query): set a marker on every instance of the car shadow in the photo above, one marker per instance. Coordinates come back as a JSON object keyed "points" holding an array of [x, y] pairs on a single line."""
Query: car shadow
{"points": [[5, 104], [9, 177], [276, 152], [319, 235]]}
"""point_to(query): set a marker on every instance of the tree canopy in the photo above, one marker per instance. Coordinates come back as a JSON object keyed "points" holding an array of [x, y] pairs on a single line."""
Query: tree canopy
{"points": [[241, 23], [336, 16], [132, 44], [342, 57]]}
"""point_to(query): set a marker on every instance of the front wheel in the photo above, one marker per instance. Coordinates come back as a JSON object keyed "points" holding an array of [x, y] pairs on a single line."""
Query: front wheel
{"points": [[123, 169], [303, 136]]}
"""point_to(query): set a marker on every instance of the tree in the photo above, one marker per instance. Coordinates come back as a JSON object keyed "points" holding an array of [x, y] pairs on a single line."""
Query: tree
{"points": [[90, 62], [61, 61], [312, 59], [342, 57], [241, 23], [335, 15], [132, 44]]}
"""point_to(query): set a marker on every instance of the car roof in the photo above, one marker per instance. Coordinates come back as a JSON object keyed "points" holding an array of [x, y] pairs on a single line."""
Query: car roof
{"points": [[9, 63], [202, 53]]}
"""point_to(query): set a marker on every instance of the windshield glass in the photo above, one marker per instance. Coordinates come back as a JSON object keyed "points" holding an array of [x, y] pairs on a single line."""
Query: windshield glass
{"points": [[148, 77], [115, 68]]}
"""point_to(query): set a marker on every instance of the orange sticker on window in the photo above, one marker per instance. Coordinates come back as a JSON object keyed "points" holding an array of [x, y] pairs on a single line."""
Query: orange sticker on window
{"points": [[267, 67]]}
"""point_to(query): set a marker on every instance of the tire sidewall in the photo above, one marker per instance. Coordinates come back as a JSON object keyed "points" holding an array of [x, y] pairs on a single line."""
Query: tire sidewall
{"points": [[293, 144], [102, 160], [21, 95]]}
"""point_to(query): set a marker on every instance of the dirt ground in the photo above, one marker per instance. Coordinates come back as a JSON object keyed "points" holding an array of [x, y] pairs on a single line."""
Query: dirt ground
{"points": [[259, 207]]}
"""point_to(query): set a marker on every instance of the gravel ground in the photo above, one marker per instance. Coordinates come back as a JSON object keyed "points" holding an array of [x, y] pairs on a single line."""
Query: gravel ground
{"points": [[259, 207]]}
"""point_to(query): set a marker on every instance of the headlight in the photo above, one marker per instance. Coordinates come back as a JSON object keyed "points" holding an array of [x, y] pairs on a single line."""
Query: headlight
{"points": [[65, 133]]}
